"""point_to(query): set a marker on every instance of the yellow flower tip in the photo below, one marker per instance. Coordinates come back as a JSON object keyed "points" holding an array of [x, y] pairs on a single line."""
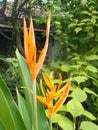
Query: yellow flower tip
{"points": [[51, 74], [42, 88], [62, 98], [70, 79], [49, 18], [24, 20], [60, 76], [24, 25], [30, 19]]}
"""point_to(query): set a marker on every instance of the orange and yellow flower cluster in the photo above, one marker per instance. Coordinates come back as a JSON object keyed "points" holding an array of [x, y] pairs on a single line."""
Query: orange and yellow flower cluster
{"points": [[53, 92]]}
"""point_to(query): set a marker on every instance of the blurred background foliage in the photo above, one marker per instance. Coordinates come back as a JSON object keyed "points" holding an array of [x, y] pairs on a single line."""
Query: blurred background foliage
{"points": [[10, 73]]}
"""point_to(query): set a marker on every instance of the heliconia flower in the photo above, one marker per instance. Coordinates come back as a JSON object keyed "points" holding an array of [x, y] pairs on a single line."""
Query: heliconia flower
{"points": [[30, 48], [53, 92]]}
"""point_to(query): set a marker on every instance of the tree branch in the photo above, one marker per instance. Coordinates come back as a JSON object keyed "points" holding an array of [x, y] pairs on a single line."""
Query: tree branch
{"points": [[5, 35]]}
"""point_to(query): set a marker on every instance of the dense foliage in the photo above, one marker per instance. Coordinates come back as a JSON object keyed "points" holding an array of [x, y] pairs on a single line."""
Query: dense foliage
{"points": [[76, 33]]}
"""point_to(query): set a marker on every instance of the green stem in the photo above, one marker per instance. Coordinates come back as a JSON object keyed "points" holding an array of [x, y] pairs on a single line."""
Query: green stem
{"points": [[35, 106], [50, 123], [74, 127]]}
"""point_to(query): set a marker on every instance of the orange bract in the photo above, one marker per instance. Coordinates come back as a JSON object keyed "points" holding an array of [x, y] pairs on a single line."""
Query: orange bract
{"points": [[53, 92], [31, 50]]}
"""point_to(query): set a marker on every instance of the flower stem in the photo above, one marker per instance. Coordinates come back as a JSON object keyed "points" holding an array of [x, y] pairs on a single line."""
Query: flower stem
{"points": [[74, 125], [35, 106], [50, 123]]}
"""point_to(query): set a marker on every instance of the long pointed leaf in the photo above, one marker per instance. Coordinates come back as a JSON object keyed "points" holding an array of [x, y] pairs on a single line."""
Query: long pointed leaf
{"points": [[1, 126], [27, 82], [23, 110], [9, 113]]}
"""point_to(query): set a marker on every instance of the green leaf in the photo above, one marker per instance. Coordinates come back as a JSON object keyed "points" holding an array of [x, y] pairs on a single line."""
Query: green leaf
{"points": [[80, 79], [87, 90], [93, 20], [66, 126], [44, 1], [65, 68], [96, 38], [42, 119], [27, 82], [87, 125], [55, 64], [63, 122], [89, 27], [89, 115], [95, 82], [72, 25], [63, 108], [9, 113], [75, 108], [81, 24], [1, 126], [78, 29], [86, 12], [5, 112], [85, 20], [75, 67], [23, 110], [95, 12], [57, 23], [91, 68], [79, 94], [91, 57], [91, 35]]}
